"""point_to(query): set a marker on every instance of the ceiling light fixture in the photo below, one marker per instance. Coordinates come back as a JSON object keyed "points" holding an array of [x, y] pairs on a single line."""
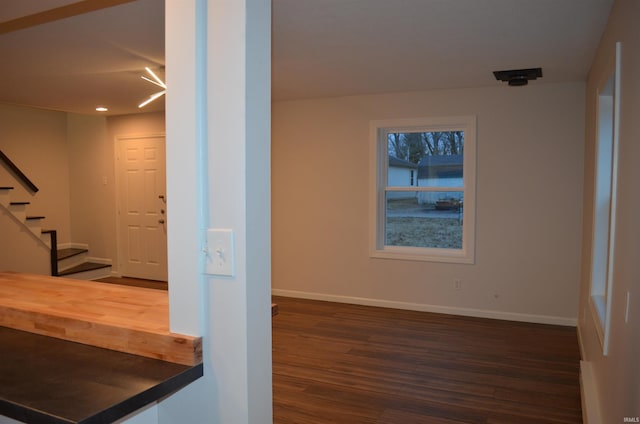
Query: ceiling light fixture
{"points": [[156, 81], [101, 109], [518, 77]]}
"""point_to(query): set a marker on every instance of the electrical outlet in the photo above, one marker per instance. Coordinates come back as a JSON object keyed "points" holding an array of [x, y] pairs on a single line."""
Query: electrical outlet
{"points": [[457, 284]]}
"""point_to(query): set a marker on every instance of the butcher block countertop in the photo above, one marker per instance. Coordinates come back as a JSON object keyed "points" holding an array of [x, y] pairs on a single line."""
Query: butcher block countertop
{"points": [[123, 318], [84, 352]]}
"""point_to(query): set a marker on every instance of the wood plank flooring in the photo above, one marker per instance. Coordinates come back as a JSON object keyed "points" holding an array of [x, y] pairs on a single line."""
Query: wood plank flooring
{"points": [[135, 282], [153, 284], [337, 363]]}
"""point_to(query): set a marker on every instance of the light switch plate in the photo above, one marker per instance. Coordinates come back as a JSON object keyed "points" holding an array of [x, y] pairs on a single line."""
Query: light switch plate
{"points": [[220, 252]]}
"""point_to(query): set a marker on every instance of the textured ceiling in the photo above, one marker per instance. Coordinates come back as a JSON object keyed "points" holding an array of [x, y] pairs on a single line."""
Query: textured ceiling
{"points": [[337, 47], [321, 48]]}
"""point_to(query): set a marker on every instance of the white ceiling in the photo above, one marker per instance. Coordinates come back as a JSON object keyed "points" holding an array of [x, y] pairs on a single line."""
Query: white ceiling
{"points": [[81, 62], [321, 48]]}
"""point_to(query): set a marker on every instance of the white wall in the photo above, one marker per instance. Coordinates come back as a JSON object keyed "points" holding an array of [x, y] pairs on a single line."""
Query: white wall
{"points": [[36, 141], [91, 182], [616, 377], [529, 207]]}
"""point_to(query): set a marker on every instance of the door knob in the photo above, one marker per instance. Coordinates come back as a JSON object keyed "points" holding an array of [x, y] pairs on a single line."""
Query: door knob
{"points": [[161, 221]]}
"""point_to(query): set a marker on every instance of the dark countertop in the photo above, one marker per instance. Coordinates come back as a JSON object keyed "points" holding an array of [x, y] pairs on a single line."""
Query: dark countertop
{"points": [[44, 380]]}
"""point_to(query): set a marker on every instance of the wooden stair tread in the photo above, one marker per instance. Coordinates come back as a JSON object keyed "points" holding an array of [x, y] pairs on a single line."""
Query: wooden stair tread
{"points": [[128, 319], [69, 252], [86, 266]]}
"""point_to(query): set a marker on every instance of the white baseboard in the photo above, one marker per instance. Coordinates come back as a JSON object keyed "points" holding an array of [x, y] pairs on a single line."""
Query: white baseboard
{"points": [[583, 352], [479, 313], [589, 395]]}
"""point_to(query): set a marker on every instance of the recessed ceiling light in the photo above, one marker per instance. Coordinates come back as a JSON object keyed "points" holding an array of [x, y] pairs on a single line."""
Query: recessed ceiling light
{"points": [[101, 109]]}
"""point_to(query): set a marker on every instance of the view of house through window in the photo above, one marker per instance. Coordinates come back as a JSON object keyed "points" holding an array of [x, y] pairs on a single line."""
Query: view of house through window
{"points": [[422, 188], [425, 218]]}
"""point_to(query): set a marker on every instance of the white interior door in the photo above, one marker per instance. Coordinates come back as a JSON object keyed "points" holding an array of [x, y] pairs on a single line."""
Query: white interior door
{"points": [[142, 227]]}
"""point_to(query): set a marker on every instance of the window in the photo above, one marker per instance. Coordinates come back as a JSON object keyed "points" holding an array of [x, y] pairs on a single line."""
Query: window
{"points": [[431, 216], [604, 200]]}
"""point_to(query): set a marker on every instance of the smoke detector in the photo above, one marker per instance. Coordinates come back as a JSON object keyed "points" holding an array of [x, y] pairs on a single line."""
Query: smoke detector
{"points": [[518, 77]]}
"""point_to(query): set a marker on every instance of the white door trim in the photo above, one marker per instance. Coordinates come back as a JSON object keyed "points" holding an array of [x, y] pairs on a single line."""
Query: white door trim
{"points": [[118, 139]]}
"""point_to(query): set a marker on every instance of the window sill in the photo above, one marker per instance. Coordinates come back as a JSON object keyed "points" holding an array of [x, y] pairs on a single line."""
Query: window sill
{"points": [[431, 255]]}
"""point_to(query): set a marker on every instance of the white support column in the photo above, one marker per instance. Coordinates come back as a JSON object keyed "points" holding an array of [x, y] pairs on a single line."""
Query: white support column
{"points": [[218, 176], [239, 173]]}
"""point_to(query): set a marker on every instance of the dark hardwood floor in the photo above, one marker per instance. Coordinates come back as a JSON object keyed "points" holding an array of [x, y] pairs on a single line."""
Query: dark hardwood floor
{"points": [[349, 364], [337, 363], [136, 282]]}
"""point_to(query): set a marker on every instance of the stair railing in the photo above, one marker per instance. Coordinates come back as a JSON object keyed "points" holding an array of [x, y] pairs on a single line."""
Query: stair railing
{"points": [[17, 172], [54, 251]]}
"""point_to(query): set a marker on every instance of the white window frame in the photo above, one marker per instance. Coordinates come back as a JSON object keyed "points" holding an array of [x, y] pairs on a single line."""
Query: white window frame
{"points": [[605, 190], [379, 163]]}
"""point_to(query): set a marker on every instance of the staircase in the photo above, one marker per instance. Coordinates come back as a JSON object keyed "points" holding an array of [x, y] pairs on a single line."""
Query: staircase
{"points": [[18, 210], [74, 263], [71, 262]]}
